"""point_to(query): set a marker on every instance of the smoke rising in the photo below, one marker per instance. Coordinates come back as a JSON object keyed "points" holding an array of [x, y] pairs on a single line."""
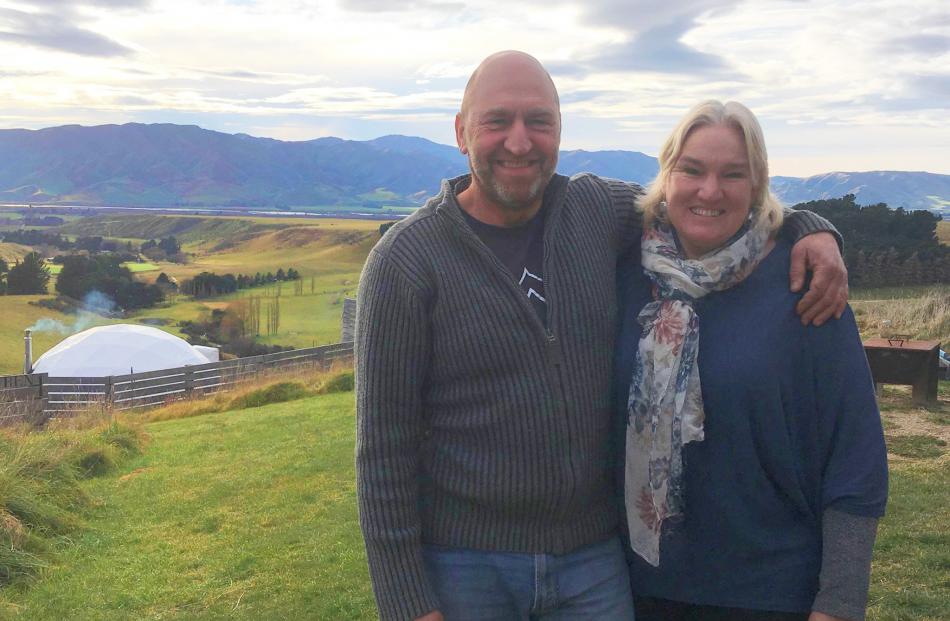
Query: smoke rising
{"points": [[93, 306]]}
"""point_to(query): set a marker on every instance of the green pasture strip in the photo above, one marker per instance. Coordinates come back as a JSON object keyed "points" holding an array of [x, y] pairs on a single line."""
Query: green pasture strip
{"points": [[134, 267], [145, 266], [167, 315], [305, 320], [911, 572], [346, 212], [156, 226], [242, 515]]}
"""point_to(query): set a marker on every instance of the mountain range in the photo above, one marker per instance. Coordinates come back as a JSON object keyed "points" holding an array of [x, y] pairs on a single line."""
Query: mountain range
{"points": [[165, 165]]}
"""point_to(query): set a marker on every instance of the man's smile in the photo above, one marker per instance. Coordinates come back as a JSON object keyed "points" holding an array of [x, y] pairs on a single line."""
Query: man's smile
{"points": [[516, 164]]}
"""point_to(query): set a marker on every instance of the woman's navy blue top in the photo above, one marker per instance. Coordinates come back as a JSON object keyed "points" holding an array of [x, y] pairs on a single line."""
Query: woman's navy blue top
{"points": [[791, 429]]}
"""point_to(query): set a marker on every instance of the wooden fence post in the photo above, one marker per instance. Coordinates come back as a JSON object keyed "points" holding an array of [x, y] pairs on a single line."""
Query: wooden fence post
{"points": [[189, 381], [109, 389]]}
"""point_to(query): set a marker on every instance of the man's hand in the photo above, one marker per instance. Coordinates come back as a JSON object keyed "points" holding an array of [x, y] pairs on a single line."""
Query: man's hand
{"points": [[828, 293], [820, 616], [435, 615]]}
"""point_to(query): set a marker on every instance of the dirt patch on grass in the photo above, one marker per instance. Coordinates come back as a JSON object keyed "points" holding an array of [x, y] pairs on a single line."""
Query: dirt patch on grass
{"points": [[903, 420]]}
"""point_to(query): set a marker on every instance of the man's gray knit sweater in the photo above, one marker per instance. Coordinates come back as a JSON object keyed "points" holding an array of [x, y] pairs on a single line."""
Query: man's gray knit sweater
{"points": [[477, 425]]}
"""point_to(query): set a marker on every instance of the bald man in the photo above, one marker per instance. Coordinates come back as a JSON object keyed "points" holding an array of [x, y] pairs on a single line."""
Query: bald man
{"points": [[484, 344]]}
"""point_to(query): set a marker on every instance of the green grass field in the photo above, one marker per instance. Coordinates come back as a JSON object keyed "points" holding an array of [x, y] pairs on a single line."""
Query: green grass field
{"points": [[251, 514], [134, 267], [144, 266], [306, 320], [244, 515]]}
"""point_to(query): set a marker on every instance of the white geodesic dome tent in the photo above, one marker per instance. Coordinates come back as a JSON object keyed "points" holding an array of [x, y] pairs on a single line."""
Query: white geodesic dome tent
{"points": [[117, 350]]}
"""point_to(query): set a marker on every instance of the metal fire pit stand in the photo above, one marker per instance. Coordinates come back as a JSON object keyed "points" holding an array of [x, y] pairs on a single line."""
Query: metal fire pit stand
{"points": [[899, 361]]}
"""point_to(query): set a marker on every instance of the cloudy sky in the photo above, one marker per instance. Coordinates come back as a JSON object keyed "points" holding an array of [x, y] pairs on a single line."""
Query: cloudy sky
{"points": [[843, 85]]}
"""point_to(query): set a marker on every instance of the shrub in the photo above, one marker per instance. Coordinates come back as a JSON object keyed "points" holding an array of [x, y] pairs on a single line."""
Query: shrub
{"points": [[262, 392], [30, 276], [276, 393], [341, 382]]}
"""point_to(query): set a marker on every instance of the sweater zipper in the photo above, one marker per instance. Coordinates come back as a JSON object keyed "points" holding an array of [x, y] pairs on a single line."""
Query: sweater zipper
{"points": [[501, 270], [552, 345], [556, 359]]}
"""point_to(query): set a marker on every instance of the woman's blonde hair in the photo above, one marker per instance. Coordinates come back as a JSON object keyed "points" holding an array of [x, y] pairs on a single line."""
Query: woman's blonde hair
{"points": [[732, 114]]}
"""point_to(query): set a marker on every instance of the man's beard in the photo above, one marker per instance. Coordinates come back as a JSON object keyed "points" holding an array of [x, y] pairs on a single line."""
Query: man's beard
{"points": [[512, 198]]}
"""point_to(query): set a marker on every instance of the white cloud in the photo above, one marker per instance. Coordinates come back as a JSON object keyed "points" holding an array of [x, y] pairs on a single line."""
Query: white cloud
{"points": [[838, 73]]}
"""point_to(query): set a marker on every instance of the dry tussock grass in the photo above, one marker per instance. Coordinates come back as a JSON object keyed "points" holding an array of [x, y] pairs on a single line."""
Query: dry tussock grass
{"points": [[313, 379], [12, 528], [943, 231], [926, 317], [42, 499], [297, 237]]}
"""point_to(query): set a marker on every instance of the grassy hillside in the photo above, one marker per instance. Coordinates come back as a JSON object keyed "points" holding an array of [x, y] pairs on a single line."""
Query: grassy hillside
{"points": [[328, 249], [11, 252], [250, 514], [329, 257], [185, 228], [244, 515], [329, 253], [247, 244]]}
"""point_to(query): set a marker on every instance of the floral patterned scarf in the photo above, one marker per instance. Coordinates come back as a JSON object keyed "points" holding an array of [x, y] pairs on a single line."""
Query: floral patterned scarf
{"points": [[665, 407]]}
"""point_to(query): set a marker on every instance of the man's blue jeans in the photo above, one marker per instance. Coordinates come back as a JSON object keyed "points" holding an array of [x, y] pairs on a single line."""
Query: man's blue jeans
{"points": [[478, 585]]}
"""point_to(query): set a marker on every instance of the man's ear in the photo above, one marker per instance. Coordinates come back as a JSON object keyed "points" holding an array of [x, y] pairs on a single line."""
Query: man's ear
{"points": [[460, 134]]}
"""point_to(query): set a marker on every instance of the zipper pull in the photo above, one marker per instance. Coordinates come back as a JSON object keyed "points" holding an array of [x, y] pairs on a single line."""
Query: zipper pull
{"points": [[554, 349]]}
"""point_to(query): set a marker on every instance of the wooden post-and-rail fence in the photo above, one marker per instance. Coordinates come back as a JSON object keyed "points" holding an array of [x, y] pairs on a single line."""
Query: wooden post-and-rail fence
{"points": [[22, 398], [36, 398]]}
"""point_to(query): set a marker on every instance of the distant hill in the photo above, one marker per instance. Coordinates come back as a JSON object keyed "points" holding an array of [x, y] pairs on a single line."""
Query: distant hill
{"points": [[165, 165], [911, 190]]}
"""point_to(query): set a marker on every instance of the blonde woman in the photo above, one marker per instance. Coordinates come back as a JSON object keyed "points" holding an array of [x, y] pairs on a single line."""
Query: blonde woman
{"points": [[755, 468]]}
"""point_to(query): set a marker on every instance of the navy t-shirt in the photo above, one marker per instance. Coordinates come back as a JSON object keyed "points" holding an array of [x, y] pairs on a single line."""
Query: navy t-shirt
{"points": [[521, 249], [791, 429]]}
